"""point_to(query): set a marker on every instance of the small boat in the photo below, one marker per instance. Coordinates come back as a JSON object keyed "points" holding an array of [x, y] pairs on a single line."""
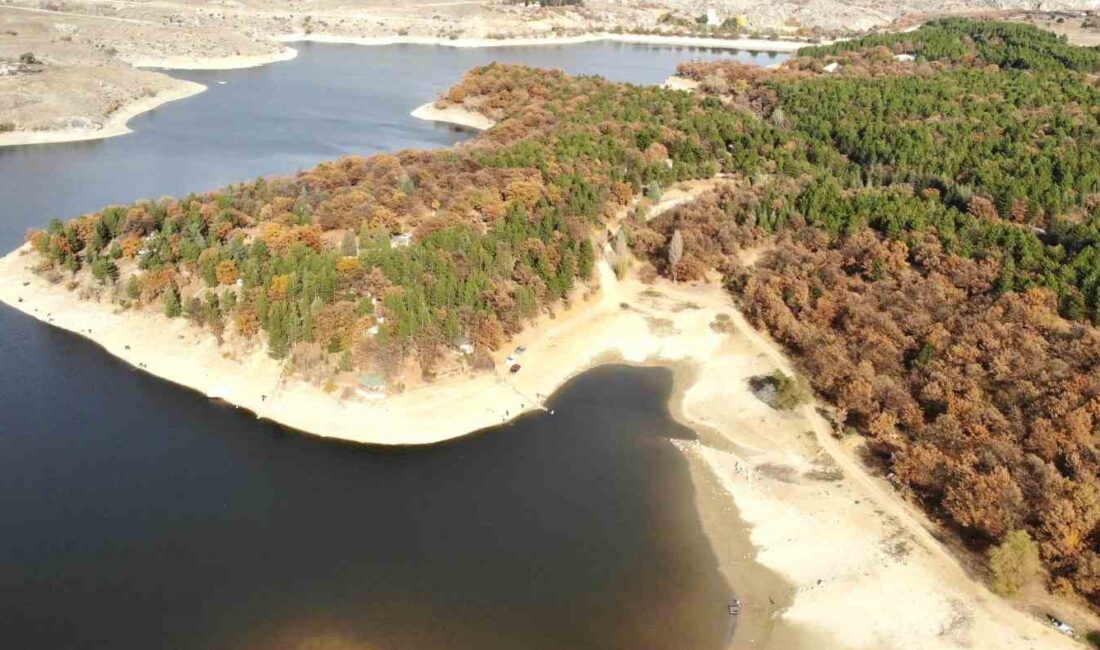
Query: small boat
{"points": [[735, 607]]}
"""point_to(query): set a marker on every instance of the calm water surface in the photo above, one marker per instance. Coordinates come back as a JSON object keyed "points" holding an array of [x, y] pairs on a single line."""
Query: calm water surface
{"points": [[138, 515]]}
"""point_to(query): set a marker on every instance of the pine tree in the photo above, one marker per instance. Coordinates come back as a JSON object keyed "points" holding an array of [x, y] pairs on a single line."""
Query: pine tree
{"points": [[104, 270], [586, 259], [133, 287], [172, 307], [194, 310], [278, 330], [675, 252]]}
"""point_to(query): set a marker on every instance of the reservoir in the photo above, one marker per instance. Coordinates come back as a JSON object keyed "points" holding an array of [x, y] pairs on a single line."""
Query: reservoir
{"points": [[140, 515]]}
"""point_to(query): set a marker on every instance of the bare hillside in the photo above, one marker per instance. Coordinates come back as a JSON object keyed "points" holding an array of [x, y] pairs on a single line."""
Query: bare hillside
{"points": [[67, 67]]}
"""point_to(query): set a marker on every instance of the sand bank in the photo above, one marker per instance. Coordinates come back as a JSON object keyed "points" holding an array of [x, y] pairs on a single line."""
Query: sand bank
{"points": [[453, 115], [213, 63], [116, 124], [750, 44], [680, 83]]}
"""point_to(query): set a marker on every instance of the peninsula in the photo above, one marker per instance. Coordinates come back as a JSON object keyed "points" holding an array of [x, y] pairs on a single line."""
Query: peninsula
{"points": [[911, 219]]}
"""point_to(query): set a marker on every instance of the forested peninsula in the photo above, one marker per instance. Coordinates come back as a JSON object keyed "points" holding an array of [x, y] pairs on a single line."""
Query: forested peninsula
{"points": [[923, 212]]}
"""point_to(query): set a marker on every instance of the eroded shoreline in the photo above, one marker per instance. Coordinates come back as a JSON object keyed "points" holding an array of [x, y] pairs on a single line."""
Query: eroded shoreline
{"points": [[117, 123]]}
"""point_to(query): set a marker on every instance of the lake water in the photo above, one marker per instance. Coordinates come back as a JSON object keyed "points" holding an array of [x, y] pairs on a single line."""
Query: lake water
{"points": [[140, 515]]}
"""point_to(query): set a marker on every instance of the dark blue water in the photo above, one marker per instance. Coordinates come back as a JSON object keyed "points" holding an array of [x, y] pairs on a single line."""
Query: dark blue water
{"points": [[139, 515]]}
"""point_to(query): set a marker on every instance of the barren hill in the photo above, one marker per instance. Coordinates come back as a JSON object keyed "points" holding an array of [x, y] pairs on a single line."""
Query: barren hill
{"points": [[82, 81]]}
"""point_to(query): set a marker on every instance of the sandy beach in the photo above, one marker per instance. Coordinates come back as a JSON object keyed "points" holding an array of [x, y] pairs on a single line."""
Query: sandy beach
{"points": [[452, 115], [172, 349], [866, 571]]}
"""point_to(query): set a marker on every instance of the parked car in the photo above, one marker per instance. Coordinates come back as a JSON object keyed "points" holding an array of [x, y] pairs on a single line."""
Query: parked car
{"points": [[521, 349], [510, 361], [514, 369], [1062, 627]]}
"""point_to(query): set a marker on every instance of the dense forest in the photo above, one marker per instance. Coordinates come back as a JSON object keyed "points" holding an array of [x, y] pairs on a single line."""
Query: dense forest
{"points": [[937, 275], [928, 211], [365, 262]]}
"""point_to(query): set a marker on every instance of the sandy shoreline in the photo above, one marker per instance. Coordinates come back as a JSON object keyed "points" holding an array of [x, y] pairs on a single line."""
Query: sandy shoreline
{"points": [[213, 63], [452, 115], [116, 124], [171, 349], [749, 44]]}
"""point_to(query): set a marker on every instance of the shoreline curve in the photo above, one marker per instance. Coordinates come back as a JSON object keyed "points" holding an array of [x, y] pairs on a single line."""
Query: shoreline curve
{"points": [[238, 62], [116, 123], [173, 350]]}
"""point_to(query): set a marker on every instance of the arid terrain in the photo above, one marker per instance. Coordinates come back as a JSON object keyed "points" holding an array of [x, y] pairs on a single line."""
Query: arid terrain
{"points": [[68, 68]]}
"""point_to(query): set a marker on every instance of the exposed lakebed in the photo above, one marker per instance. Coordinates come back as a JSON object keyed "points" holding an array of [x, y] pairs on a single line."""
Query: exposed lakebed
{"points": [[141, 515]]}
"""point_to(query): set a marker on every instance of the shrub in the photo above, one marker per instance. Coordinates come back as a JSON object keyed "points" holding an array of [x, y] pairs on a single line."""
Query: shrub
{"points": [[172, 307], [1014, 563], [780, 390], [790, 392], [133, 287], [722, 323]]}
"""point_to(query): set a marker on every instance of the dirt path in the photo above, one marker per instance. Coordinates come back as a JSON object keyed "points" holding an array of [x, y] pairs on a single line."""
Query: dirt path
{"points": [[130, 21]]}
